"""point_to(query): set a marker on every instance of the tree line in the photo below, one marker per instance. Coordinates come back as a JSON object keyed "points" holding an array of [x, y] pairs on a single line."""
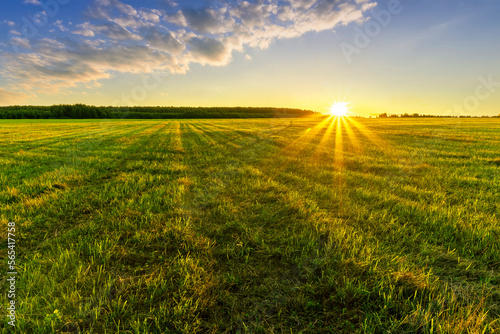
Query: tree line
{"points": [[82, 111], [385, 115]]}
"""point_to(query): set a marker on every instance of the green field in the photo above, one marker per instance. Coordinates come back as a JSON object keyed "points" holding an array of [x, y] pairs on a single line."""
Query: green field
{"points": [[314, 225]]}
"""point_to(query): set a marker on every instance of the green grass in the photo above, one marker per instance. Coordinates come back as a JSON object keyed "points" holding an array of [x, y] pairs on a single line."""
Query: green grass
{"points": [[253, 226]]}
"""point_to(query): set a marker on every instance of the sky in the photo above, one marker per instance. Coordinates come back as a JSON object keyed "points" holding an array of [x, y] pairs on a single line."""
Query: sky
{"points": [[437, 57]]}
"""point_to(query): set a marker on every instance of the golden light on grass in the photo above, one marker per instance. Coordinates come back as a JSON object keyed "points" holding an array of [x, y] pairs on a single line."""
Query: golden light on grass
{"points": [[352, 136], [323, 144], [338, 155], [334, 138], [371, 135]]}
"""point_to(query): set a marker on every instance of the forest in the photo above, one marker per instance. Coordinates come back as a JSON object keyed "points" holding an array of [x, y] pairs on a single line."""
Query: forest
{"points": [[82, 111]]}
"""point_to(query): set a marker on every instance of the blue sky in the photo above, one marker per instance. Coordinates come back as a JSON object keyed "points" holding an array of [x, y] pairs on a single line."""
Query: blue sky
{"points": [[431, 57]]}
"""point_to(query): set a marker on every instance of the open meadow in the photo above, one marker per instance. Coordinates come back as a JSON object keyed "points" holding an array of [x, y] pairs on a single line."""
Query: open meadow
{"points": [[304, 225]]}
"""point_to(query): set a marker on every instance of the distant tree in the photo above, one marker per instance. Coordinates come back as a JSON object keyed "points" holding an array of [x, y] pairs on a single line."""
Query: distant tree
{"points": [[384, 115], [84, 111]]}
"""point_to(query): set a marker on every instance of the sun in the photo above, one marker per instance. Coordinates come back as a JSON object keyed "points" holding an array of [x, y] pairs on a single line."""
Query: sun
{"points": [[339, 109]]}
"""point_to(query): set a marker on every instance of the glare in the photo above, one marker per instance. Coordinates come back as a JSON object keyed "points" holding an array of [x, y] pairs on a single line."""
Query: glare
{"points": [[339, 109]]}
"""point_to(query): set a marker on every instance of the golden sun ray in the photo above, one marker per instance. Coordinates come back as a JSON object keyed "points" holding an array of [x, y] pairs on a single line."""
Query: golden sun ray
{"points": [[297, 146], [338, 162], [352, 136], [323, 144], [369, 134], [383, 145], [338, 158]]}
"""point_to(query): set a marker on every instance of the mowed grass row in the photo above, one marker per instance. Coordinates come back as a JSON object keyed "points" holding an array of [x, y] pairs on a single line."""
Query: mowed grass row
{"points": [[315, 225]]}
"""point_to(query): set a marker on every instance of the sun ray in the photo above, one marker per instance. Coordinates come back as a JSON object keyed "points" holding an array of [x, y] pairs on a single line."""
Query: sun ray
{"points": [[297, 146], [338, 159], [369, 134], [352, 136], [325, 140], [383, 145], [338, 163]]}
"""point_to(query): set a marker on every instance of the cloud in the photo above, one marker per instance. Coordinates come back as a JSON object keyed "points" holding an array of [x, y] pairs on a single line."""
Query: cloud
{"points": [[206, 20], [60, 65], [40, 18], [209, 51], [124, 8], [253, 15], [32, 2], [116, 37], [152, 16], [84, 30], [20, 42], [114, 31], [163, 40], [12, 98], [59, 25]]}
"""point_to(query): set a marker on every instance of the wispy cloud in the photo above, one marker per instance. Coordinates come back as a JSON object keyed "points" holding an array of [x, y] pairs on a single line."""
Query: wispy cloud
{"points": [[8, 97], [59, 24], [32, 2], [84, 30]]}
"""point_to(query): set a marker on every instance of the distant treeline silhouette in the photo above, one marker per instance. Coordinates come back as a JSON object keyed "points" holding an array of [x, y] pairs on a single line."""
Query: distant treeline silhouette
{"points": [[385, 115], [82, 111]]}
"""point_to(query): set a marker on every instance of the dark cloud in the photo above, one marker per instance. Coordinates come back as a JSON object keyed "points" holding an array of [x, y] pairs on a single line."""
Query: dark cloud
{"points": [[163, 40], [209, 50], [201, 20], [253, 14]]}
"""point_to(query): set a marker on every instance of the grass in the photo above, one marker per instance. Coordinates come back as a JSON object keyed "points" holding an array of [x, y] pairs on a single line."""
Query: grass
{"points": [[314, 225]]}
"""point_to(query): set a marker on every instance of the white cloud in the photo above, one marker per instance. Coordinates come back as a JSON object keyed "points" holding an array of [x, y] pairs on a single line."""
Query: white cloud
{"points": [[84, 30], [124, 8], [32, 2], [40, 18], [152, 16], [59, 24]]}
